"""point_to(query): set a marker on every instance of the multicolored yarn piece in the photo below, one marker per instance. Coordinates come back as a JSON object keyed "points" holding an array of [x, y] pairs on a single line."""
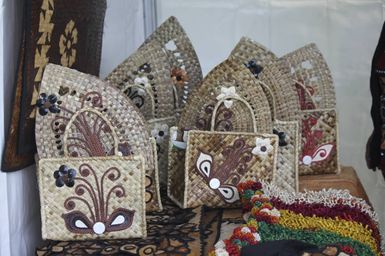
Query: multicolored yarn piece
{"points": [[328, 219]]}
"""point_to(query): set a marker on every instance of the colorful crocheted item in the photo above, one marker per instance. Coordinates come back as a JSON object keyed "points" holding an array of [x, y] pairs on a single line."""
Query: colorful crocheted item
{"points": [[333, 220]]}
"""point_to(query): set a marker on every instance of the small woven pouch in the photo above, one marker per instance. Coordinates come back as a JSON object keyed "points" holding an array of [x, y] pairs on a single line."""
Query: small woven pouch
{"points": [[90, 198], [81, 116]]}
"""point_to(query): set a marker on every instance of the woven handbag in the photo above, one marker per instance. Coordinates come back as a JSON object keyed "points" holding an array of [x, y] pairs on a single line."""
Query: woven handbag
{"points": [[217, 161], [263, 64], [86, 198], [232, 92], [82, 116], [186, 71], [311, 76]]}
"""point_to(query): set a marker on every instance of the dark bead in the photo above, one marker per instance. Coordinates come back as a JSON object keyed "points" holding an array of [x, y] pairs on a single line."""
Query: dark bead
{"points": [[71, 173], [52, 98], [63, 169], [59, 182], [56, 174], [40, 102], [43, 111], [43, 96], [54, 109], [70, 183]]}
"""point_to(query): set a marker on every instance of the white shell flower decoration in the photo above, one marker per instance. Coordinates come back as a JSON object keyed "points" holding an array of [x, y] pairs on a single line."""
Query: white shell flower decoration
{"points": [[227, 93], [220, 245], [159, 132], [221, 252], [262, 147], [142, 81]]}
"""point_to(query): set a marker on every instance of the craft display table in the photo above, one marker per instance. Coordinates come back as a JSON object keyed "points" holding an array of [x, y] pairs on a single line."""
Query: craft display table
{"points": [[347, 179]]}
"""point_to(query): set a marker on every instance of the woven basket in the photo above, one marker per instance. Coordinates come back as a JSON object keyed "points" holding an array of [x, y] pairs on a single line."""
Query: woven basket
{"points": [[217, 161], [81, 116], [248, 50], [185, 68], [232, 91], [266, 68], [319, 142], [145, 78], [91, 198], [159, 129], [309, 70]]}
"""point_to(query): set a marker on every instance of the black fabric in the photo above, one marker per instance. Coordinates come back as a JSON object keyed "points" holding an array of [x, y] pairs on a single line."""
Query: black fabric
{"points": [[279, 248], [374, 154]]}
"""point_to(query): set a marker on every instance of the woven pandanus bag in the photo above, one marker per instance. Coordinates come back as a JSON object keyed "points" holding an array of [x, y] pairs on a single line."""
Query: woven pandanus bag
{"points": [[82, 116], [283, 103], [86, 198], [158, 78], [317, 114]]}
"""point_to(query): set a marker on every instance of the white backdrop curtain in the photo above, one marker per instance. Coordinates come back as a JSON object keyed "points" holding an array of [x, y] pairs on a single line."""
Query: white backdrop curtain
{"points": [[346, 31]]}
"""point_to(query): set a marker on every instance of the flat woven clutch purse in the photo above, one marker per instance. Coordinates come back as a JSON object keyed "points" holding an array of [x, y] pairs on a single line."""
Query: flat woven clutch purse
{"points": [[82, 116], [85, 198]]}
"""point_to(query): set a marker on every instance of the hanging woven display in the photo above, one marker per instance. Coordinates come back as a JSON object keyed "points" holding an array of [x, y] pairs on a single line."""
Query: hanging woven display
{"points": [[82, 116], [54, 31]]}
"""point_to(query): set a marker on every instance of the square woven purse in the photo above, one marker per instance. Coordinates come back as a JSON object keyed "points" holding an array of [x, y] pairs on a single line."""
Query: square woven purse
{"points": [[87, 198]]}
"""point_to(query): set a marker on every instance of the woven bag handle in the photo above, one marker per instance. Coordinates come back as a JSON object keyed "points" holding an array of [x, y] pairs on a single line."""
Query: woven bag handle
{"points": [[306, 90], [72, 120], [232, 98], [271, 94]]}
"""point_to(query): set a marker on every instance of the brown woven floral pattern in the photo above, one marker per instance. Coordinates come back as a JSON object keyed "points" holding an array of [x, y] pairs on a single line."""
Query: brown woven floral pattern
{"points": [[216, 162], [173, 231], [88, 198], [82, 116], [54, 32], [319, 142]]}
